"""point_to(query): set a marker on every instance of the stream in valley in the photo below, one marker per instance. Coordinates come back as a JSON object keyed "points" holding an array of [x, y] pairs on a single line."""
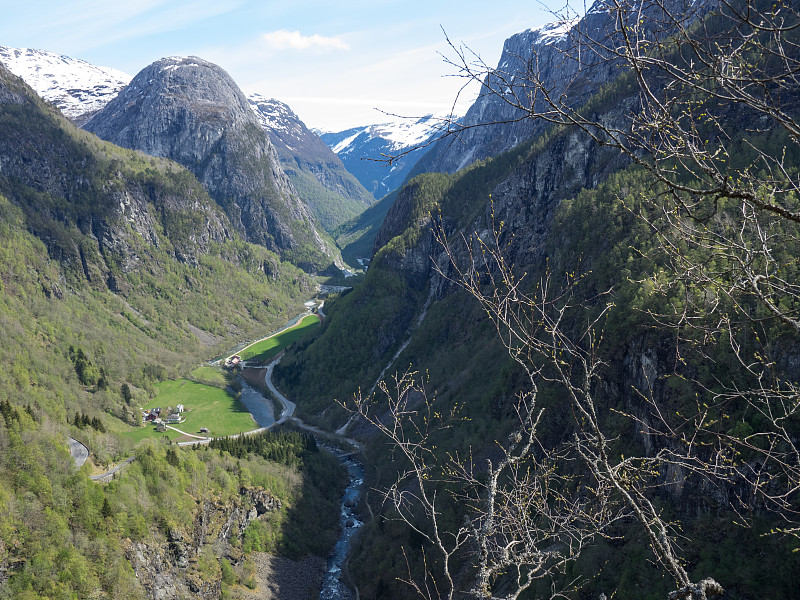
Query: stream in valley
{"points": [[334, 582]]}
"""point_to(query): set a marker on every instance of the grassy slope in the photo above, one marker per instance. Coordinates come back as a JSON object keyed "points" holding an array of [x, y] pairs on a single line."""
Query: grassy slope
{"points": [[266, 349], [62, 535]]}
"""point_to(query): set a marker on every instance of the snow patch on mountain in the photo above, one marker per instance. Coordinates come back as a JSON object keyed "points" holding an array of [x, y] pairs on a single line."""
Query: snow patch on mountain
{"points": [[552, 33], [397, 135], [75, 86], [271, 113], [342, 147]]}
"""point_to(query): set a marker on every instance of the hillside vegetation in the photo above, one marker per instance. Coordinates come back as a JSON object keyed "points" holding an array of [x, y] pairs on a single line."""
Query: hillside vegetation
{"points": [[116, 273]]}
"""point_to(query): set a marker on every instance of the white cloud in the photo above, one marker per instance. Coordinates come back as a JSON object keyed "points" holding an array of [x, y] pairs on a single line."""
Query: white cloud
{"points": [[294, 40]]}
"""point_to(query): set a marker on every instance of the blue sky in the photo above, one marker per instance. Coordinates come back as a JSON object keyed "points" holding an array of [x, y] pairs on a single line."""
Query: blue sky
{"points": [[333, 62]]}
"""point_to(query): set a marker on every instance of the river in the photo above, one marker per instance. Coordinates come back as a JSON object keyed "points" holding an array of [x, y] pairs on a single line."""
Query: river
{"points": [[334, 586], [262, 409]]}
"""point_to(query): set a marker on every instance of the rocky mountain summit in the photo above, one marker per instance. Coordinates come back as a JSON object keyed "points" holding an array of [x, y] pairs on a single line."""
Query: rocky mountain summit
{"points": [[77, 88], [191, 111], [333, 194]]}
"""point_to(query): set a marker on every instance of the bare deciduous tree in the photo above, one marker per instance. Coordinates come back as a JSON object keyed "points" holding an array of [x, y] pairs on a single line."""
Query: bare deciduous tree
{"points": [[716, 94]]}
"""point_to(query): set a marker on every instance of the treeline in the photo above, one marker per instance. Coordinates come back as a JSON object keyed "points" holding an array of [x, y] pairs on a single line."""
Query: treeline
{"points": [[10, 412], [289, 448], [82, 421], [87, 372]]}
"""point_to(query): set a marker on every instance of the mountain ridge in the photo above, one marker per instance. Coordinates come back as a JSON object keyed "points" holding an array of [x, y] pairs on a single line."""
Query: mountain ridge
{"points": [[191, 111], [319, 175], [76, 87]]}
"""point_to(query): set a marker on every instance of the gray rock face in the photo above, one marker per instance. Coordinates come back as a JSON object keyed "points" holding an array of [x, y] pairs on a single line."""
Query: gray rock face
{"points": [[11, 88], [567, 59], [321, 180], [167, 568], [191, 111]]}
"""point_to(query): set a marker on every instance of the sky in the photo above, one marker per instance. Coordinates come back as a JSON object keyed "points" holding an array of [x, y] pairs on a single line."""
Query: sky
{"points": [[337, 64]]}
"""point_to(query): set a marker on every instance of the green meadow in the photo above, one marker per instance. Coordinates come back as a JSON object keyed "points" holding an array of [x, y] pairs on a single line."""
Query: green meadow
{"points": [[266, 349], [206, 406]]}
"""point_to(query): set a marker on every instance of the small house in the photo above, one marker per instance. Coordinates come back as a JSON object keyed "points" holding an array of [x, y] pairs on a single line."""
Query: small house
{"points": [[179, 408]]}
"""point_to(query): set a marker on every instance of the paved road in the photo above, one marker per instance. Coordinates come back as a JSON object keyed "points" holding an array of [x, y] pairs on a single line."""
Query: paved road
{"points": [[288, 405], [288, 413], [207, 440], [78, 451], [108, 475]]}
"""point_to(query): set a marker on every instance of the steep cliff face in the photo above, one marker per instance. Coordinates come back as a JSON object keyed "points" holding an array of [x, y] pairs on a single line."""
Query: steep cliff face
{"points": [[191, 111], [318, 175], [64, 179], [170, 569], [567, 60]]}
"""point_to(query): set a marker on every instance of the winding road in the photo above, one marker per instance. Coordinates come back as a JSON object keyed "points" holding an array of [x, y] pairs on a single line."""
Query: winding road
{"points": [[288, 414], [287, 411], [78, 451], [108, 475]]}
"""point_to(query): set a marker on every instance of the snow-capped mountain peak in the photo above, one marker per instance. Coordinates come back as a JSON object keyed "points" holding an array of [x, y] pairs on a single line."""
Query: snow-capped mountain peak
{"points": [[363, 148], [272, 114], [76, 87], [404, 133]]}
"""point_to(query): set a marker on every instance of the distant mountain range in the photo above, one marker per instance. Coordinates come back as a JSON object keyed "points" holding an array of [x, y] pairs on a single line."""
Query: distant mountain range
{"points": [[366, 151]]}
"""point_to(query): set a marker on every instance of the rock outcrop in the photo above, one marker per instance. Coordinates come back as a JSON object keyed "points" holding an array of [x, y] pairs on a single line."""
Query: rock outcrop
{"points": [[191, 111], [168, 569]]}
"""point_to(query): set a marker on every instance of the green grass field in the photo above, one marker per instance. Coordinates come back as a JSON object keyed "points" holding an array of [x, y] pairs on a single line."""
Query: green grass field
{"points": [[266, 349], [212, 376], [206, 406]]}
